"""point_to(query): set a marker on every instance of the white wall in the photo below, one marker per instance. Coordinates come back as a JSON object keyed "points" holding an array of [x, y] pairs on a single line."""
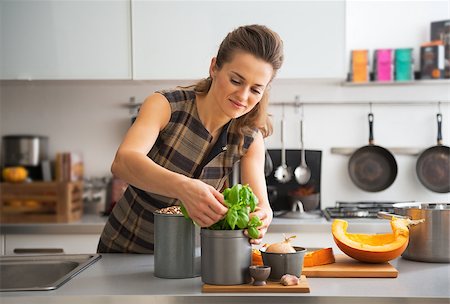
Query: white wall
{"points": [[378, 24], [90, 116]]}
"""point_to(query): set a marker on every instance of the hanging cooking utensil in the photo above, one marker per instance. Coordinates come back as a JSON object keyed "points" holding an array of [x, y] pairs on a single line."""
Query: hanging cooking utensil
{"points": [[302, 172], [283, 173], [268, 164], [372, 168], [433, 164]]}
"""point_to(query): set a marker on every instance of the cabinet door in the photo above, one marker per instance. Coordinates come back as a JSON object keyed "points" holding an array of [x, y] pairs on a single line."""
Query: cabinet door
{"points": [[50, 243], [65, 39], [177, 39]]}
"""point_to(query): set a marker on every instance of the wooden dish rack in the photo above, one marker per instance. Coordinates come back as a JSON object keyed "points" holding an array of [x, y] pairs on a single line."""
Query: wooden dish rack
{"points": [[41, 202]]}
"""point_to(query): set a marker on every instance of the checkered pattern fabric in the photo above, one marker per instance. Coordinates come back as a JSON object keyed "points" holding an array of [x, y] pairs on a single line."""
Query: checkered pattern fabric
{"points": [[183, 146]]}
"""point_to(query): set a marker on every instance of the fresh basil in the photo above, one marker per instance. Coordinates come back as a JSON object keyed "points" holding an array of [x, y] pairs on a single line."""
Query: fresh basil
{"points": [[240, 200]]}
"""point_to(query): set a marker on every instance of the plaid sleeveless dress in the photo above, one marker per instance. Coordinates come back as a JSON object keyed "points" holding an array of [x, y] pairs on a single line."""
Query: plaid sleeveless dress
{"points": [[180, 147]]}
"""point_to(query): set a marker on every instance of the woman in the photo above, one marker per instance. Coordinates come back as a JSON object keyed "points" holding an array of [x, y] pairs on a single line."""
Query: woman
{"points": [[183, 144]]}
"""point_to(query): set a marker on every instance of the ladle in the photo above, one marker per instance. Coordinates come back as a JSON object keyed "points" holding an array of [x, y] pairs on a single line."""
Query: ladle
{"points": [[268, 164], [283, 173], [302, 172]]}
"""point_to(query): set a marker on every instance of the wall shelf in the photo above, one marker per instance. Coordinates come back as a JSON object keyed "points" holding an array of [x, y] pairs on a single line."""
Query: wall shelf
{"points": [[397, 83]]}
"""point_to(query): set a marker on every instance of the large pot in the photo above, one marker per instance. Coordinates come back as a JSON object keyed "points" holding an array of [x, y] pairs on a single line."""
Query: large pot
{"points": [[428, 241]]}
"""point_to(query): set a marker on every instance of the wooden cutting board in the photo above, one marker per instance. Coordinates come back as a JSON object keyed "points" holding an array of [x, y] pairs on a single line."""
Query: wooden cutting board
{"points": [[346, 267], [302, 287]]}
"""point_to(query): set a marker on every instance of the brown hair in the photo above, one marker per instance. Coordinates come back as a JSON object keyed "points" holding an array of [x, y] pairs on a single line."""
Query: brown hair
{"points": [[263, 43]]}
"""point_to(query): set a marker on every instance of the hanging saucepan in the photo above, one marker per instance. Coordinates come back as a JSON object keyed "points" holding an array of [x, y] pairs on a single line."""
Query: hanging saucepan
{"points": [[372, 168], [433, 164]]}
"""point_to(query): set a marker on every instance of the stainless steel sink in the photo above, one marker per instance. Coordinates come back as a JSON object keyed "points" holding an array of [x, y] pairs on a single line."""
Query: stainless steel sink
{"points": [[41, 272]]}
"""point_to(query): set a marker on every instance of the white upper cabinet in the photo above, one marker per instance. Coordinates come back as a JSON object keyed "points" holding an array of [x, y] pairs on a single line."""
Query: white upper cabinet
{"points": [[177, 39], [65, 39]]}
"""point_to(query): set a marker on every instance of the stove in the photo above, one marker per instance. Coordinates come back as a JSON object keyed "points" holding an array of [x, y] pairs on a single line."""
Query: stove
{"points": [[357, 210]]}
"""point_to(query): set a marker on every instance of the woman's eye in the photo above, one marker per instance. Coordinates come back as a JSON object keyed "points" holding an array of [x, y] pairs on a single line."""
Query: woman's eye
{"points": [[256, 91], [234, 81]]}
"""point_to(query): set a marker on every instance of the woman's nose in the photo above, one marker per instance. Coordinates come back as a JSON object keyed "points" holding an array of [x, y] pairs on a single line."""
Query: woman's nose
{"points": [[243, 93]]}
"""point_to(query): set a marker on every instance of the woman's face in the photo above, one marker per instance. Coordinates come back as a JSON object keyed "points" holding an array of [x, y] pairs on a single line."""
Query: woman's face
{"points": [[240, 84]]}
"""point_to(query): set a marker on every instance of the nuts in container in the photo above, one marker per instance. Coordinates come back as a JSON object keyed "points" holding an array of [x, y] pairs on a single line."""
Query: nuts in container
{"points": [[175, 210]]}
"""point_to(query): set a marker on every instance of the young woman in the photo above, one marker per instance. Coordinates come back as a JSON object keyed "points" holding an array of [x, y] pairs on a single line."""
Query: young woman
{"points": [[184, 142]]}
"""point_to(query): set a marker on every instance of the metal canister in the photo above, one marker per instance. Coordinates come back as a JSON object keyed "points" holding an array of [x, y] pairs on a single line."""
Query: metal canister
{"points": [[24, 150], [177, 247], [226, 256]]}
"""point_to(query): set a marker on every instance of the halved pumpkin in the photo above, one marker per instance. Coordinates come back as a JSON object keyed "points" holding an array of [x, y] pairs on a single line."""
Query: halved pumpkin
{"points": [[372, 248], [319, 257]]}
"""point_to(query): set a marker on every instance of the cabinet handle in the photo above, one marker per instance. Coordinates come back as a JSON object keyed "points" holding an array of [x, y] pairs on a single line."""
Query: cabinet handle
{"points": [[37, 250]]}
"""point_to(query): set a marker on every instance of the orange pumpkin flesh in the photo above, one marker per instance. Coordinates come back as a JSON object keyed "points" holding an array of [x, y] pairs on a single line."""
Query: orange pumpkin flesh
{"points": [[372, 248], [257, 257], [319, 257]]}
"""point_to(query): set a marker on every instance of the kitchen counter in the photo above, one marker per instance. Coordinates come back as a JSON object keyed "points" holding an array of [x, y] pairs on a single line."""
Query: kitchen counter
{"points": [[125, 278], [93, 224], [89, 224]]}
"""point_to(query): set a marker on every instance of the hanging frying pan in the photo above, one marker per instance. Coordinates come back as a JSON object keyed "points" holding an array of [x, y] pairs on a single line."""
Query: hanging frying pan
{"points": [[372, 168], [433, 164]]}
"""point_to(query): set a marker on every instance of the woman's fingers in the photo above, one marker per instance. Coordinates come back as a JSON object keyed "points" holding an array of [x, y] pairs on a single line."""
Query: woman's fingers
{"points": [[257, 241], [204, 203], [217, 205]]}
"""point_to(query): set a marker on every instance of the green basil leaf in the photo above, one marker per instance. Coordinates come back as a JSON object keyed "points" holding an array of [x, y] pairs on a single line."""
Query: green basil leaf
{"points": [[253, 232], [242, 219], [232, 218], [245, 195], [227, 203], [233, 196], [254, 222], [225, 193], [253, 202]]}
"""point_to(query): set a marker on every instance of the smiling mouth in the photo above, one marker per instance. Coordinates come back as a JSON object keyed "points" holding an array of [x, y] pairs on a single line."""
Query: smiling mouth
{"points": [[237, 104]]}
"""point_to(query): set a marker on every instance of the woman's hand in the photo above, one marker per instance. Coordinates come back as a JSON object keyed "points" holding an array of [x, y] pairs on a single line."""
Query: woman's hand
{"points": [[203, 203], [266, 218]]}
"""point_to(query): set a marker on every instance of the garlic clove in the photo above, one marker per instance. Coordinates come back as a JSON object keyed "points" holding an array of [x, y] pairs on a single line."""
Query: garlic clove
{"points": [[289, 279]]}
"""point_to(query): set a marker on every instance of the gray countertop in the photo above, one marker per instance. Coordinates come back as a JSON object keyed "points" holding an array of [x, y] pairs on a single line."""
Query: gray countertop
{"points": [[89, 224], [125, 278], [93, 224]]}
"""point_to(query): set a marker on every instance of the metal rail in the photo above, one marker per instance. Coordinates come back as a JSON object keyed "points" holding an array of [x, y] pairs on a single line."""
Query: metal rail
{"points": [[361, 103]]}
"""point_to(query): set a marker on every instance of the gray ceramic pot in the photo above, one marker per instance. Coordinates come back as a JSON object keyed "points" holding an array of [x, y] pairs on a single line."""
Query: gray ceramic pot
{"points": [[226, 256], [284, 263], [177, 247]]}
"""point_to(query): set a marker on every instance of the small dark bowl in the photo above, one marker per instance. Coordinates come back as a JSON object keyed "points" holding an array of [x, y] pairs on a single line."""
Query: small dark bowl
{"points": [[284, 263], [259, 274]]}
